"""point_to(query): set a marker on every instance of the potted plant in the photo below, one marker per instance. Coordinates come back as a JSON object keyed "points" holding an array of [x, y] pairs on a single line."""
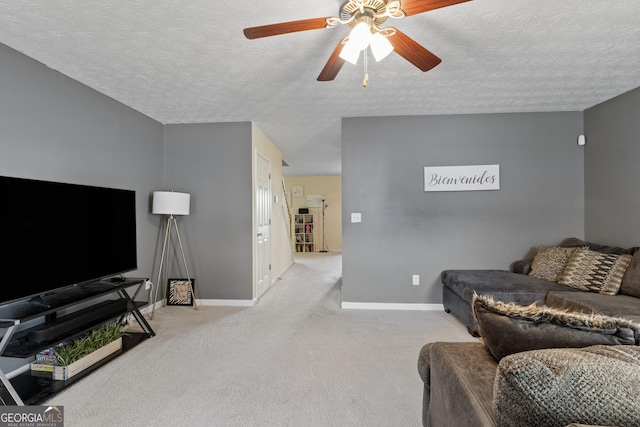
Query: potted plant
{"points": [[75, 356]]}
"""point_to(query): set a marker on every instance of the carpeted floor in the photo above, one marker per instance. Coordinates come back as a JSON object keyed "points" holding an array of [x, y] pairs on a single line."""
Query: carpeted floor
{"points": [[295, 359]]}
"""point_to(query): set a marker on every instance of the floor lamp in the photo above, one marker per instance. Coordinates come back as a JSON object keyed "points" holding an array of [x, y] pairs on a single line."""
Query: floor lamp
{"points": [[324, 243], [171, 203]]}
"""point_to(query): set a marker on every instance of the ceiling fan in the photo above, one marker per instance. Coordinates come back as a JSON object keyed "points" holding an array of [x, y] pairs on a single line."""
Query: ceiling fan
{"points": [[365, 18]]}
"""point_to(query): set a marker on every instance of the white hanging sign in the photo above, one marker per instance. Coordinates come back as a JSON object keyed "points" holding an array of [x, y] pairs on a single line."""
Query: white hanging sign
{"points": [[462, 178], [314, 200], [297, 190]]}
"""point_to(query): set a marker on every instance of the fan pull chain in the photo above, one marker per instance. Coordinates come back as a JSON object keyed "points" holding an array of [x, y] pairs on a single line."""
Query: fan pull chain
{"points": [[366, 74]]}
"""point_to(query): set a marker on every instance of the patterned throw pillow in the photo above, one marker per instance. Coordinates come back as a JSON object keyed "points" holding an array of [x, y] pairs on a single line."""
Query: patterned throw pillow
{"points": [[595, 272], [598, 385], [549, 262]]}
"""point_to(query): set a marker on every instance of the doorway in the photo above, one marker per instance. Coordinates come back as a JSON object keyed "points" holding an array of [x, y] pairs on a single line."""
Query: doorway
{"points": [[263, 225]]}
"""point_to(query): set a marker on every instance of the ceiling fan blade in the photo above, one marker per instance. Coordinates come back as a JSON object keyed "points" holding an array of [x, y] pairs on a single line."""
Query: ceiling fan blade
{"points": [[413, 7], [285, 28], [333, 65], [413, 52]]}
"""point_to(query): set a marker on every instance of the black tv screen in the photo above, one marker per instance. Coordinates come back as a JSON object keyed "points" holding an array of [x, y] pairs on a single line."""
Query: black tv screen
{"points": [[56, 235]]}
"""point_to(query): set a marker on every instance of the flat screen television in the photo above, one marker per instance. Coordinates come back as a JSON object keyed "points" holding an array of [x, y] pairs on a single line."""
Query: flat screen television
{"points": [[56, 235]]}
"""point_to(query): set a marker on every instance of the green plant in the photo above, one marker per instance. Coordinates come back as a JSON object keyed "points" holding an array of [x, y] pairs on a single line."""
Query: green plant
{"points": [[77, 349]]}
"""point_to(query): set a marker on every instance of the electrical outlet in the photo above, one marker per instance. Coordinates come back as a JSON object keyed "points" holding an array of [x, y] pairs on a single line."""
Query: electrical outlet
{"points": [[356, 217], [416, 279], [147, 285]]}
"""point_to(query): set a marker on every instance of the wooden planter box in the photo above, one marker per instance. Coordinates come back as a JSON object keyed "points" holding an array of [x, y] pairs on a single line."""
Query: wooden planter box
{"points": [[66, 372]]}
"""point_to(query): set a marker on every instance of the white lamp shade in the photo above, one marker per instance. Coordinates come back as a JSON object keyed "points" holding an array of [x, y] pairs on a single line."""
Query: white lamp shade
{"points": [[350, 53], [360, 36], [170, 203], [380, 47]]}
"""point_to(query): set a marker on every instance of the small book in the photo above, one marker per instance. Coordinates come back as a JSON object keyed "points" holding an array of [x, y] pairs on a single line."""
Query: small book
{"points": [[42, 367]]}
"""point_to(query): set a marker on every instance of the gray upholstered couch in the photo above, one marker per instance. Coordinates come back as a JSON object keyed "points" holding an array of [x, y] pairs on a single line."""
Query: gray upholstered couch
{"points": [[465, 386], [522, 375], [517, 286]]}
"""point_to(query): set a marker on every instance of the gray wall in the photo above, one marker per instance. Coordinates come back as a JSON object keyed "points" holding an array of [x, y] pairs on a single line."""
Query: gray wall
{"points": [[54, 128], [612, 198], [212, 162], [405, 231]]}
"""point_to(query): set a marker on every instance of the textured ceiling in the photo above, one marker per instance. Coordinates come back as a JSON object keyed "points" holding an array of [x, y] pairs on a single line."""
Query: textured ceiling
{"points": [[188, 62]]}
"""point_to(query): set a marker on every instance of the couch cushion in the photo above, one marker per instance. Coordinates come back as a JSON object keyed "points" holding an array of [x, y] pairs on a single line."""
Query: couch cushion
{"points": [[573, 242], [592, 271], [511, 328], [631, 280], [597, 385], [522, 266], [502, 285], [424, 369], [550, 261], [461, 377], [589, 302], [424, 363]]}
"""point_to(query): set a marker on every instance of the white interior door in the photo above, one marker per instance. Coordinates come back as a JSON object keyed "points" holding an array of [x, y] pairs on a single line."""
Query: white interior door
{"points": [[263, 224]]}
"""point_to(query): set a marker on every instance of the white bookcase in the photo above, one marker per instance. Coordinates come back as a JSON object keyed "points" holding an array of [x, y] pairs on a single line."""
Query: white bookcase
{"points": [[304, 232]]}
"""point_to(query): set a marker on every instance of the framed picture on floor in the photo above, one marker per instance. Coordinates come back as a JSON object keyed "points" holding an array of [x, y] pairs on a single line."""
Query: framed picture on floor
{"points": [[179, 292]]}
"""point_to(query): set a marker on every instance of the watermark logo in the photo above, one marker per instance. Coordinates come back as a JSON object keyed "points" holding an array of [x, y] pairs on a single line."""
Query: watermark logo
{"points": [[31, 416]]}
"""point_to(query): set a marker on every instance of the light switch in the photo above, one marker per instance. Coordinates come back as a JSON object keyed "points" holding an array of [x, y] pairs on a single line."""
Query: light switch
{"points": [[356, 217]]}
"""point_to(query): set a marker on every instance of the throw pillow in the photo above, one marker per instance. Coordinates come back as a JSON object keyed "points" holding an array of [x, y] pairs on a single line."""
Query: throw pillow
{"points": [[631, 280], [597, 385], [549, 262], [573, 242], [592, 271], [508, 328]]}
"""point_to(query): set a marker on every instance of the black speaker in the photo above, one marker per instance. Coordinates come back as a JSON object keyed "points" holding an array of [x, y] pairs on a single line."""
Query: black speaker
{"points": [[303, 210]]}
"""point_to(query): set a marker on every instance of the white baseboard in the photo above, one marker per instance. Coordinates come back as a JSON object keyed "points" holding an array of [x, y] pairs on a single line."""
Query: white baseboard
{"points": [[391, 306], [345, 304], [227, 302], [279, 276], [208, 302]]}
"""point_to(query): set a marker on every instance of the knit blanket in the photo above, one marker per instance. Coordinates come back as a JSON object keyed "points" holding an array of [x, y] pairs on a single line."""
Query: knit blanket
{"points": [[598, 385]]}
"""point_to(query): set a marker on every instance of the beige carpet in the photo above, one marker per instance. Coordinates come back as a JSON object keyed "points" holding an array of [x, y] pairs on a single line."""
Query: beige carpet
{"points": [[295, 359]]}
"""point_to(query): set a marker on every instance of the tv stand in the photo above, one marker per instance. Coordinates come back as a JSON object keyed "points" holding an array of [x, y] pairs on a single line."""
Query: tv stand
{"points": [[38, 301], [63, 316]]}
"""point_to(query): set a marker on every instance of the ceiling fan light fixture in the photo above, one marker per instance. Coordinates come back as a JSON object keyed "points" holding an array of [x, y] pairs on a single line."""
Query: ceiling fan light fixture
{"points": [[380, 47], [365, 18], [350, 52], [360, 36]]}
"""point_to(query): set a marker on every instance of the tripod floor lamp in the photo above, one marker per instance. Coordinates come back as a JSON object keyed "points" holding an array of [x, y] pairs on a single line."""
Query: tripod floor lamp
{"points": [[324, 242], [171, 203]]}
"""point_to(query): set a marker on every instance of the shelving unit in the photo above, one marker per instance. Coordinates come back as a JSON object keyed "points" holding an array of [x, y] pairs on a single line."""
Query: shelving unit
{"points": [[56, 321], [304, 232]]}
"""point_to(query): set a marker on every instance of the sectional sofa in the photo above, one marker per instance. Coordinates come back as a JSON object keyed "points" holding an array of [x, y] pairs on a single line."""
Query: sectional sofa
{"points": [[465, 386], [517, 285], [560, 342]]}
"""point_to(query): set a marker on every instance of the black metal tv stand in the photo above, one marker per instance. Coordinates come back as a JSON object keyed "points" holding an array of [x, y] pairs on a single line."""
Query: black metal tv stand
{"points": [[34, 325]]}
